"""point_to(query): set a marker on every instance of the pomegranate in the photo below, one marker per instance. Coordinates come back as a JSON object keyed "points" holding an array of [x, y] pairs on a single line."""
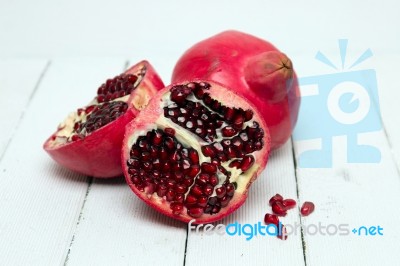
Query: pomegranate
{"points": [[253, 67], [194, 151], [89, 140]]}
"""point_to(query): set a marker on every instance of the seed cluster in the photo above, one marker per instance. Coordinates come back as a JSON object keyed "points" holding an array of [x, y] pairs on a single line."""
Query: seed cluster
{"points": [[97, 117], [117, 87], [160, 163]]}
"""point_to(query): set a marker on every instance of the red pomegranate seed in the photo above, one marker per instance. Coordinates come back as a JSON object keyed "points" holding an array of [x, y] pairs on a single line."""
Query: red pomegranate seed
{"points": [[275, 198], [228, 131], [213, 180], [246, 163], [224, 201], [193, 156], [176, 207], [307, 208], [271, 219], [289, 204], [208, 151], [209, 168], [278, 208], [169, 131], [230, 189], [221, 191], [195, 212], [191, 200]]}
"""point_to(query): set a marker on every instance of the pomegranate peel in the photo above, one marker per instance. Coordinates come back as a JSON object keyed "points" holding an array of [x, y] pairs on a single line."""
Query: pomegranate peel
{"points": [[253, 67], [177, 159], [89, 140]]}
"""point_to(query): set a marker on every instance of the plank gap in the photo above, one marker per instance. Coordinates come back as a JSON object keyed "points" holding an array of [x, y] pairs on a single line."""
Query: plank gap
{"points": [[90, 182], [303, 242]]}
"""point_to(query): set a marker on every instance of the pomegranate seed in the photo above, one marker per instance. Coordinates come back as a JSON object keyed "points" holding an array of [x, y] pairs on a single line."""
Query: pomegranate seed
{"points": [[275, 198], [278, 208], [228, 131], [213, 180], [169, 131], [271, 219], [289, 204], [193, 156], [208, 190], [202, 201], [208, 151], [229, 113], [230, 189], [170, 195], [196, 190], [238, 122], [195, 212], [307, 208], [246, 163], [176, 207], [179, 198], [225, 200], [221, 191], [248, 115], [180, 189], [191, 200], [209, 168]]}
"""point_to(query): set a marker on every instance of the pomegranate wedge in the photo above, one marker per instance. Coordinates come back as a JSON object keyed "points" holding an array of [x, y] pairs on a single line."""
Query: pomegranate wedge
{"points": [[89, 140], [194, 151]]}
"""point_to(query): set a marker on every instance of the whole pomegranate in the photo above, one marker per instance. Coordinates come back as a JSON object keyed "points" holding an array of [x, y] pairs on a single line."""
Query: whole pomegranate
{"points": [[89, 140], [195, 150], [253, 67]]}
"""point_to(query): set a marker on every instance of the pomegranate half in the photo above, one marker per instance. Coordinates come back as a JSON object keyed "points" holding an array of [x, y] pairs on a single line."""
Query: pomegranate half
{"points": [[195, 150], [253, 67], [89, 140]]}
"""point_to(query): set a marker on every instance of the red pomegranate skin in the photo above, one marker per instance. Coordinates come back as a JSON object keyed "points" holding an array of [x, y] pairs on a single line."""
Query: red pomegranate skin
{"points": [[99, 153], [252, 66]]}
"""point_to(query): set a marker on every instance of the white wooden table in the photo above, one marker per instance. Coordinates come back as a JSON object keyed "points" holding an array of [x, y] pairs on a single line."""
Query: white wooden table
{"points": [[51, 216]]}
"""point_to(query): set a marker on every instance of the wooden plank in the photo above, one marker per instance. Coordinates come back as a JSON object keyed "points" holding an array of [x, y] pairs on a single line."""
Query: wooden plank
{"points": [[389, 93], [40, 201], [261, 250], [18, 79], [118, 228], [353, 195]]}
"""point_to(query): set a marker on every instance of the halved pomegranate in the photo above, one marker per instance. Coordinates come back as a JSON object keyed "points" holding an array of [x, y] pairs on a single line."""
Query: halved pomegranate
{"points": [[195, 150], [253, 67], [89, 140]]}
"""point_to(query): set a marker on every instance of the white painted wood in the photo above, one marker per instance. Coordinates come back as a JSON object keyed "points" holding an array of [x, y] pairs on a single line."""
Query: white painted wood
{"points": [[117, 228], [40, 202], [18, 79], [389, 92], [353, 194], [261, 250]]}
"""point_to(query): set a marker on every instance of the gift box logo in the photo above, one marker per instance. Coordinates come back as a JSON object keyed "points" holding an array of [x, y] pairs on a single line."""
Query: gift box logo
{"points": [[344, 103]]}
